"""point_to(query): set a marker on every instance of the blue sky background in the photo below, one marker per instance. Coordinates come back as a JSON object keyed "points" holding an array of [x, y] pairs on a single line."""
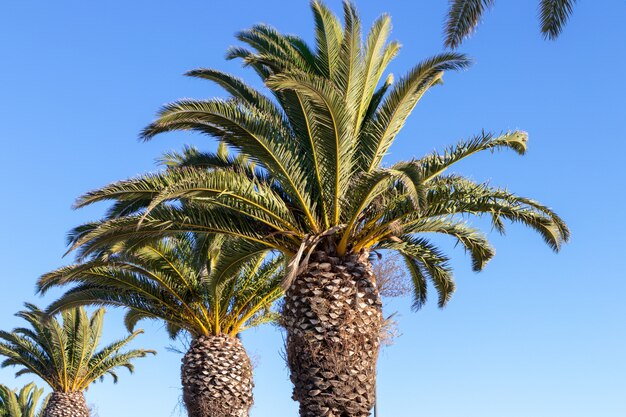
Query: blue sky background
{"points": [[535, 334]]}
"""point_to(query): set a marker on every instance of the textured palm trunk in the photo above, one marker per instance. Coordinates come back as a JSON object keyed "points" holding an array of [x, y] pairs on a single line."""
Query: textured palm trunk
{"points": [[217, 378], [66, 404], [333, 317]]}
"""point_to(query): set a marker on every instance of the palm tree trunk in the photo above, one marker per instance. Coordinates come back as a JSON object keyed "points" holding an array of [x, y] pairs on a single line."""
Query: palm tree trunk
{"points": [[217, 378], [66, 404], [333, 317]]}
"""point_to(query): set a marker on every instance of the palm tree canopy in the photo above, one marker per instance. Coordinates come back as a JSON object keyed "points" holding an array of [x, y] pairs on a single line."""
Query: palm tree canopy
{"points": [[188, 281], [23, 403], [464, 16], [64, 353], [313, 149]]}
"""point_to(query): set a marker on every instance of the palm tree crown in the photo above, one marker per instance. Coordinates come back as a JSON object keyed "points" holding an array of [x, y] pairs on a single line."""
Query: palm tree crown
{"points": [[23, 403], [180, 280], [317, 146], [64, 353]]}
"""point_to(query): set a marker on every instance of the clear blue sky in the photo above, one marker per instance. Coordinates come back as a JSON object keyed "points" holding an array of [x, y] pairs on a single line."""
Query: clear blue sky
{"points": [[535, 334]]}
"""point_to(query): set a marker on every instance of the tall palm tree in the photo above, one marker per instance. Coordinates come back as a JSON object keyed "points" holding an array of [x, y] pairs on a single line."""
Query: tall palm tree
{"points": [[180, 280], [24, 403], [319, 193], [64, 354], [464, 15]]}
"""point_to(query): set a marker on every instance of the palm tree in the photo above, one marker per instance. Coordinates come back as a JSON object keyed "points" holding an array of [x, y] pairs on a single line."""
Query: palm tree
{"points": [[464, 15], [23, 403], [319, 194], [180, 280], [63, 354]]}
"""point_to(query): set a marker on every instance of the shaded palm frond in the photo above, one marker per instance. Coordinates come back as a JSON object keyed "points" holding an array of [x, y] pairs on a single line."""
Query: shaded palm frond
{"points": [[463, 16], [553, 15], [424, 261]]}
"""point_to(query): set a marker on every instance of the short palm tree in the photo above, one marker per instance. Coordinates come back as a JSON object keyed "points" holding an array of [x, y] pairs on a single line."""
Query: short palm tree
{"points": [[180, 280], [24, 403], [464, 15], [319, 194], [64, 354]]}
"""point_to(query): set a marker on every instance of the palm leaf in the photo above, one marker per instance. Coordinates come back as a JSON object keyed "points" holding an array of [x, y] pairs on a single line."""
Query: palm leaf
{"points": [[463, 17], [553, 15]]}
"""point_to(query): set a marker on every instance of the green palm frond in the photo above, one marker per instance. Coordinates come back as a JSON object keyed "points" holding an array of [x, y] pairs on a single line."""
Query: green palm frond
{"points": [[553, 15], [474, 242], [424, 260], [458, 195], [253, 133], [435, 164], [381, 130], [193, 283], [238, 89], [378, 53], [137, 230], [192, 157], [22, 403], [333, 120], [64, 353], [248, 197], [463, 17], [328, 39]]}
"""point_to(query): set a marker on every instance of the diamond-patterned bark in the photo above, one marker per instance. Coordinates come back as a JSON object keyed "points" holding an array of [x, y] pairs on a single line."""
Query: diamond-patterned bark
{"points": [[66, 404], [217, 378], [333, 317]]}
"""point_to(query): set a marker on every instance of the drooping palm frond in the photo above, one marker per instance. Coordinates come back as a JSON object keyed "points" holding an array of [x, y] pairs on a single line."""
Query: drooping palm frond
{"points": [[380, 131], [65, 353], [203, 286], [22, 403], [317, 146], [553, 15], [463, 16]]}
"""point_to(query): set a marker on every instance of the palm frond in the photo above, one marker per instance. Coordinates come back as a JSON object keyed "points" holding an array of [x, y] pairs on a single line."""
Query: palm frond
{"points": [[435, 164], [382, 128], [418, 279], [22, 403], [427, 260], [264, 140], [458, 195], [471, 239], [463, 16], [377, 55], [239, 89], [328, 39], [334, 121], [249, 197], [553, 15]]}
